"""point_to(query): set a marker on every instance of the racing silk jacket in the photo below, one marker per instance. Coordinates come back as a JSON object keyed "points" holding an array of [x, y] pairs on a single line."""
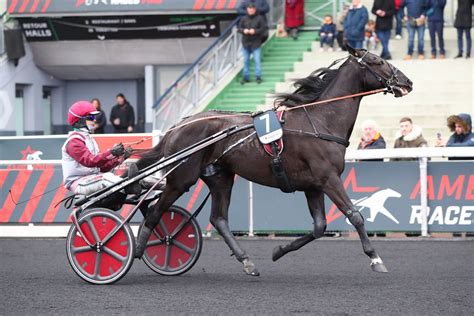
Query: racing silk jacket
{"points": [[81, 157]]}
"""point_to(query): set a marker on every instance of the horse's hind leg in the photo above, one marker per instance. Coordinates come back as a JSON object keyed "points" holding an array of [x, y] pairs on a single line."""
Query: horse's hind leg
{"points": [[153, 217], [220, 186], [316, 208], [336, 192]]}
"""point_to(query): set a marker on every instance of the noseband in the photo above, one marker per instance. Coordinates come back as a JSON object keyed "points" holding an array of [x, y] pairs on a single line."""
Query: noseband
{"points": [[388, 83]]}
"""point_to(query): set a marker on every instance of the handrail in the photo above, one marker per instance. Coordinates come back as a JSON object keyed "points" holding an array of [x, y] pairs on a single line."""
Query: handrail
{"points": [[200, 58]]}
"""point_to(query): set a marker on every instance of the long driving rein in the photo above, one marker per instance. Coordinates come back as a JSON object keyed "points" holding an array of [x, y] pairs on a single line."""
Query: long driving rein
{"points": [[388, 84]]}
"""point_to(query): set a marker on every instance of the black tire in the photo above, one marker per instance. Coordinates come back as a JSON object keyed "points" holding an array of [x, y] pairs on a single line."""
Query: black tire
{"points": [[115, 259], [181, 259]]}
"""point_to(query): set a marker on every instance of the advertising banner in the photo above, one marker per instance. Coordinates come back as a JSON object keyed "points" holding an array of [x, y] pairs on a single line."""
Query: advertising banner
{"points": [[123, 27], [54, 7], [386, 193]]}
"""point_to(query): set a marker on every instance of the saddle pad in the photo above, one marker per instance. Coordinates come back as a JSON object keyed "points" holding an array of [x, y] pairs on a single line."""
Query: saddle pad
{"points": [[279, 142]]}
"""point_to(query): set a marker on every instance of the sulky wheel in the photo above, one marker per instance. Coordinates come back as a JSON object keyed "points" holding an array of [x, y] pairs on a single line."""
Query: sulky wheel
{"points": [[175, 244], [103, 264]]}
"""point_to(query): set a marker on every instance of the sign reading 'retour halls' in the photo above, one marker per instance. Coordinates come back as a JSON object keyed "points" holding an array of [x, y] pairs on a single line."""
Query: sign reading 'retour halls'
{"points": [[44, 7]]}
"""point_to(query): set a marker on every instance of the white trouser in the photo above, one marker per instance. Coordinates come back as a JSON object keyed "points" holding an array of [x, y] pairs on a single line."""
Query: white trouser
{"points": [[93, 183]]}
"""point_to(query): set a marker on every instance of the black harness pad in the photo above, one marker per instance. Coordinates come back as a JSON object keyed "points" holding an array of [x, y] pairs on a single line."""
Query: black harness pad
{"points": [[270, 133]]}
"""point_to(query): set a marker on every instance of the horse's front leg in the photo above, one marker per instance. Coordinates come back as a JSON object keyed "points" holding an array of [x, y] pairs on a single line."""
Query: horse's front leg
{"points": [[220, 186], [335, 190]]}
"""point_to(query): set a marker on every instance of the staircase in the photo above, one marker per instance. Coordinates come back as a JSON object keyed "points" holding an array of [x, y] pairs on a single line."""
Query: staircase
{"points": [[278, 57]]}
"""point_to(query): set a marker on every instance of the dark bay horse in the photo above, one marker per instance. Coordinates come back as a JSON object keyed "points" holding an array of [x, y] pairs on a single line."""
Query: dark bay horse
{"points": [[313, 165]]}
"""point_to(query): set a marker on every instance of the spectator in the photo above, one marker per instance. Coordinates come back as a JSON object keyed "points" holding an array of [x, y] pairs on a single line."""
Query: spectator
{"points": [[100, 121], [370, 39], [354, 24], [122, 116], [461, 125], [327, 33], [262, 9], [294, 16], [463, 24], [340, 27], [398, 20], [252, 27], [409, 136], [435, 25], [415, 17], [384, 10], [371, 138]]}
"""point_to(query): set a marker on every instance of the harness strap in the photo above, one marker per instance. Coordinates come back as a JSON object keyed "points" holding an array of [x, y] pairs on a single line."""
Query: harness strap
{"points": [[327, 137]]}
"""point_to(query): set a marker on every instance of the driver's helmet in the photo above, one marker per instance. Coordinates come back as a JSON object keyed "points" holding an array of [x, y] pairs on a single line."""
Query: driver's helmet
{"points": [[81, 111]]}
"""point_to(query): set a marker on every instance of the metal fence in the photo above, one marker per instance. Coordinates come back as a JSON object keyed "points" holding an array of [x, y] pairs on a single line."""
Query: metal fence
{"points": [[195, 84], [2, 40]]}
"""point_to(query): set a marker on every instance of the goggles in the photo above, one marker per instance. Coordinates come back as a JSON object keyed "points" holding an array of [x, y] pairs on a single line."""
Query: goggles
{"points": [[91, 117]]}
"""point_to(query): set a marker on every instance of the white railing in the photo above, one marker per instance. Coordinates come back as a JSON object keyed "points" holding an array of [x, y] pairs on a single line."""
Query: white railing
{"points": [[2, 39]]}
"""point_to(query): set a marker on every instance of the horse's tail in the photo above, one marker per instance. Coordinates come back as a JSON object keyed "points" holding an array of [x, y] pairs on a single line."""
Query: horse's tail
{"points": [[151, 156]]}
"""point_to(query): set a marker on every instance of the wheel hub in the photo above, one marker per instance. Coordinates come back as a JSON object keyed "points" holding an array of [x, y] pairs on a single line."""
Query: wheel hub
{"points": [[98, 247], [168, 239]]}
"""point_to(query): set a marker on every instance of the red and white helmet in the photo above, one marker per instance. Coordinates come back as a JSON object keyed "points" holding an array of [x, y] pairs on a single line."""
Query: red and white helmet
{"points": [[81, 110]]}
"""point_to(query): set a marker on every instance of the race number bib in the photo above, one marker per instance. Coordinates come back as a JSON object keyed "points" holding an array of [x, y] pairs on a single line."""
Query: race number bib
{"points": [[268, 127]]}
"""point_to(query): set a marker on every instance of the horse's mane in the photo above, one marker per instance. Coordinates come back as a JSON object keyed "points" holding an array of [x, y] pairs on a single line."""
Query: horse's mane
{"points": [[308, 89]]}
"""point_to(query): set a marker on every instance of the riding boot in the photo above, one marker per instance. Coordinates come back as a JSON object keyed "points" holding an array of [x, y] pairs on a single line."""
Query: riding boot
{"points": [[142, 240], [134, 188]]}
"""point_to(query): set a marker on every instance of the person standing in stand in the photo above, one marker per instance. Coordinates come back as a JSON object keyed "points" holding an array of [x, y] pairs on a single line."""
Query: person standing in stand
{"points": [[101, 120], [294, 16], [251, 27], [122, 115], [435, 26], [384, 10], [463, 24], [399, 20], [354, 24]]}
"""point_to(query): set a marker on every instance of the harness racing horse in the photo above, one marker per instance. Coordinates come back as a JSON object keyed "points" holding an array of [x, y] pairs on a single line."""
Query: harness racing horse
{"points": [[313, 164]]}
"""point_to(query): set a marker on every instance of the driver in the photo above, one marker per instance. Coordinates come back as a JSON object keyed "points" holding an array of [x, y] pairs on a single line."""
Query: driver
{"points": [[85, 169]]}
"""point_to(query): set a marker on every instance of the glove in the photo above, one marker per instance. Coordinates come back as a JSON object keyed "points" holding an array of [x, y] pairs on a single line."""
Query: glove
{"points": [[118, 150], [128, 152]]}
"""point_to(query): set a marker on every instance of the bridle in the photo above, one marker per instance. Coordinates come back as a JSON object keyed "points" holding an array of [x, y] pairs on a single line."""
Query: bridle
{"points": [[388, 83]]}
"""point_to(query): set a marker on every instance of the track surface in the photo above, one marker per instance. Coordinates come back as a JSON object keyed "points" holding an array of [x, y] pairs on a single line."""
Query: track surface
{"points": [[325, 277]]}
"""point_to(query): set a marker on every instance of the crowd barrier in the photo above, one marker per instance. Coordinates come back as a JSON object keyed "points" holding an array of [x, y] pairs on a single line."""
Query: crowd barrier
{"points": [[396, 196]]}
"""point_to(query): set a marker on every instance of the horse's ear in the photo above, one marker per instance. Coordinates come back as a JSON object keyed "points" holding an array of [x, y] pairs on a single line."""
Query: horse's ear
{"points": [[351, 50]]}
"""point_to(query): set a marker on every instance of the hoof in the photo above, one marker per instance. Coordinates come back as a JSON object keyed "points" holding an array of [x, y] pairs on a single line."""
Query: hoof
{"points": [[249, 268], [378, 266], [277, 253]]}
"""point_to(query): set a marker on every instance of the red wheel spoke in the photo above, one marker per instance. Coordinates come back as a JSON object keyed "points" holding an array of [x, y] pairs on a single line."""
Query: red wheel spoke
{"points": [[93, 230], [114, 255], [180, 227], [184, 248], [98, 260], [155, 242], [156, 234], [167, 257], [163, 227], [81, 249]]}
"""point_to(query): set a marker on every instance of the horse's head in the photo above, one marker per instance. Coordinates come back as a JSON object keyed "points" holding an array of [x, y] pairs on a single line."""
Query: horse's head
{"points": [[381, 74]]}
